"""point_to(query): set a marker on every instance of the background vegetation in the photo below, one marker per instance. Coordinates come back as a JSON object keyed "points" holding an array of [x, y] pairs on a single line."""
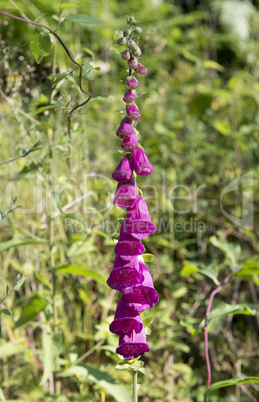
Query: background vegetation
{"points": [[199, 127]]}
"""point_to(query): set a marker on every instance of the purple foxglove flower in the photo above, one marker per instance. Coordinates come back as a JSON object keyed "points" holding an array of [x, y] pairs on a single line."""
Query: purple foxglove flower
{"points": [[132, 112], [123, 172], [138, 222], [125, 275], [133, 63], [141, 69], [130, 143], [126, 194], [129, 96], [140, 163], [132, 82], [125, 128], [125, 55], [132, 345], [137, 51], [128, 247], [143, 296], [126, 320]]}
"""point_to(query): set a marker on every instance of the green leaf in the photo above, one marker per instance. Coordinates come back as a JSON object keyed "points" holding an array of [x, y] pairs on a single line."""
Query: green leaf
{"points": [[2, 397], [20, 279], [147, 321], [34, 307], [43, 280], [67, 5], [6, 312], [148, 257], [43, 108], [231, 381], [52, 348], [76, 270], [225, 309], [248, 268], [212, 64], [82, 19], [231, 250], [22, 241], [5, 287], [121, 393], [99, 99], [40, 46], [192, 268]]}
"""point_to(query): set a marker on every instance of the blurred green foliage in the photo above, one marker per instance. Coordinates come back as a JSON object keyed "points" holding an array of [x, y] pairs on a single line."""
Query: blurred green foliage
{"points": [[200, 130]]}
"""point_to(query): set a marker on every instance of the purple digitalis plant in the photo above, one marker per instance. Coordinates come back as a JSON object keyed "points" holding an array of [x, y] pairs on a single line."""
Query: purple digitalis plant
{"points": [[130, 275]]}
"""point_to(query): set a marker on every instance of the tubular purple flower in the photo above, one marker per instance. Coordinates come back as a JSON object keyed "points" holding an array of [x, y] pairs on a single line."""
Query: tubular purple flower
{"points": [[132, 345], [130, 143], [126, 194], [138, 222], [140, 163], [125, 275], [128, 247], [132, 82], [125, 55], [129, 96], [123, 171], [126, 320], [143, 296], [125, 128], [132, 112], [133, 63], [140, 69]]}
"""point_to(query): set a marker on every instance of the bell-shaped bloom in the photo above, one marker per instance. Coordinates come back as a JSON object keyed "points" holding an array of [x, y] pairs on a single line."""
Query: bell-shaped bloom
{"points": [[143, 296], [125, 275], [123, 171], [141, 69], [140, 163], [125, 129], [132, 112], [132, 82], [129, 96], [130, 143], [133, 63], [138, 222], [128, 247], [126, 194], [132, 345], [126, 320]]}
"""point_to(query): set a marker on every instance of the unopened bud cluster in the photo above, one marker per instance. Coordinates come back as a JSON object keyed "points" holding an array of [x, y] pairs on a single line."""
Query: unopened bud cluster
{"points": [[130, 275]]}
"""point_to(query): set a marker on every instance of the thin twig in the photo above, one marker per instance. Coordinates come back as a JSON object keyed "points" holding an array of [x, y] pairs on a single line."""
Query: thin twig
{"points": [[69, 55]]}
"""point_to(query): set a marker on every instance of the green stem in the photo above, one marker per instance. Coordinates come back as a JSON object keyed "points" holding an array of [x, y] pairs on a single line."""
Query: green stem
{"points": [[135, 385]]}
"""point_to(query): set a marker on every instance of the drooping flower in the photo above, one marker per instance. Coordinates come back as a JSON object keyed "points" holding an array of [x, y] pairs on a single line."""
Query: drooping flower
{"points": [[129, 96], [140, 163], [126, 193], [132, 112], [125, 128], [126, 319], [132, 345], [133, 63], [130, 143], [125, 275], [140, 69], [123, 171], [138, 222], [128, 247], [132, 82], [144, 296]]}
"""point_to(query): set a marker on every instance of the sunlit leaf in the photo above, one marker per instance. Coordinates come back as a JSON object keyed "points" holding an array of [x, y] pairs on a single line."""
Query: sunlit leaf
{"points": [[230, 382], [82, 19], [32, 309], [40, 46]]}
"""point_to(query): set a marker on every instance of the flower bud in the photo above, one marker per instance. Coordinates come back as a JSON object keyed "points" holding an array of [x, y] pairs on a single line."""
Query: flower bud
{"points": [[133, 63], [137, 51], [132, 82], [125, 55], [131, 44], [122, 41], [141, 69], [137, 30], [132, 112], [129, 96], [127, 32]]}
